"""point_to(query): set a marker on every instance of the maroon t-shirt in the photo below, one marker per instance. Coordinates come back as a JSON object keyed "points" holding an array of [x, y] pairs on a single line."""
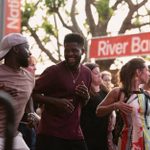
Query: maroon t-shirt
{"points": [[57, 81]]}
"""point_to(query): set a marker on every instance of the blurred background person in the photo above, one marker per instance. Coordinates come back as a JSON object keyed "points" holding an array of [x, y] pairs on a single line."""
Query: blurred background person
{"points": [[30, 118], [95, 129], [107, 79], [32, 64]]}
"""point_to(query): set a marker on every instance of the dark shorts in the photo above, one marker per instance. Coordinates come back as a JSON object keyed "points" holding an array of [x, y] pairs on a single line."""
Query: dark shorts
{"points": [[29, 135], [45, 142]]}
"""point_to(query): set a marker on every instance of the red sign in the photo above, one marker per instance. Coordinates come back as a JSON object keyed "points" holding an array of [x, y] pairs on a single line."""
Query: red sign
{"points": [[120, 46], [12, 18]]}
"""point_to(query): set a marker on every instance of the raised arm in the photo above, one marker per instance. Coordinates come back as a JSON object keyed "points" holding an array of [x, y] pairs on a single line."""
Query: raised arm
{"points": [[60, 104]]}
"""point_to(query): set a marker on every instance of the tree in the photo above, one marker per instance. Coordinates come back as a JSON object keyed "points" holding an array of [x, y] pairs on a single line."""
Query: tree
{"points": [[98, 14]]}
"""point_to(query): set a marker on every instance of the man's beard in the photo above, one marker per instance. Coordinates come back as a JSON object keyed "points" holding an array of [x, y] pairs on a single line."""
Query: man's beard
{"points": [[74, 65], [24, 63]]}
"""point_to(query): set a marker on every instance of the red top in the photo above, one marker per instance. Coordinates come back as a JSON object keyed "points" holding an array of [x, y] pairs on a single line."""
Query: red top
{"points": [[57, 81]]}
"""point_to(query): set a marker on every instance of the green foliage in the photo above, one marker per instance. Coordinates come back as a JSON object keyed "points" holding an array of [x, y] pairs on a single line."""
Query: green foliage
{"points": [[103, 9], [46, 39], [137, 21], [86, 26], [49, 24], [28, 12], [54, 5], [49, 28]]}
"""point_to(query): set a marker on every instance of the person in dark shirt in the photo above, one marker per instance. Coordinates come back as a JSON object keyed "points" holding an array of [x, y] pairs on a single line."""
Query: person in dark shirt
{"points": [[63, 89], [95, 129]]}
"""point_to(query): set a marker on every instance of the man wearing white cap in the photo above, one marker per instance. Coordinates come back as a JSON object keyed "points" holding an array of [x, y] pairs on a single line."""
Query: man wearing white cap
{"points": [[14, 49]]}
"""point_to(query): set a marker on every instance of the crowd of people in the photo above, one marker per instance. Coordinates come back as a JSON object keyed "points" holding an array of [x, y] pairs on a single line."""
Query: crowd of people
{"points": [[73, 106]]}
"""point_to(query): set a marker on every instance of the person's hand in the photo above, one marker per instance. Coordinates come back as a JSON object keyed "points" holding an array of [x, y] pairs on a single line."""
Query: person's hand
{"points": [[123, 107], [65, 105], [82, 91], [13, 92], [33, 120]]}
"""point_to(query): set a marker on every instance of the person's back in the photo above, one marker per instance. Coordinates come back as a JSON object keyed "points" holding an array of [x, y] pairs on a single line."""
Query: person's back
{"points": [[14, 50]]}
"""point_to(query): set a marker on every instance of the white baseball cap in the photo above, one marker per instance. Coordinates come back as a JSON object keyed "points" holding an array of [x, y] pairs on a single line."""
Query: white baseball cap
{"points": [[9, 41]]}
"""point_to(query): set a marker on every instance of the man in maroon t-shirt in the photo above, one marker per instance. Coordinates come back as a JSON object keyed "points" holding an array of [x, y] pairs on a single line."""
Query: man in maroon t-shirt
{"points": [[63, 88]]}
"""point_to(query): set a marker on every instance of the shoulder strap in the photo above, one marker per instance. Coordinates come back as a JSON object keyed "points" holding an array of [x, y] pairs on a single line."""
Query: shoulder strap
{"points": [[145, 93], [147, 100]]}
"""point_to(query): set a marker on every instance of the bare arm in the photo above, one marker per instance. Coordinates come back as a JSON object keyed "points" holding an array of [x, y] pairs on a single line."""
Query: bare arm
{"points": [[62, 104], [111, 102], [33, 118], [29, 106], [107, 105]]}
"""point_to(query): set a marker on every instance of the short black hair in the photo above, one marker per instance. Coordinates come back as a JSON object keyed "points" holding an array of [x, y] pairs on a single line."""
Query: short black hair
{"points": [[74, 37]]}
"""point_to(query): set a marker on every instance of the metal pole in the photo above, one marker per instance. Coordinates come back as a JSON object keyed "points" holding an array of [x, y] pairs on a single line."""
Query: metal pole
{"points": [[2, 12], [6, 101]]}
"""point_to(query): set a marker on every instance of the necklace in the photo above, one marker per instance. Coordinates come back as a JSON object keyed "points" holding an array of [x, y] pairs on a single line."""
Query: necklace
{"points": [[74, 79]]}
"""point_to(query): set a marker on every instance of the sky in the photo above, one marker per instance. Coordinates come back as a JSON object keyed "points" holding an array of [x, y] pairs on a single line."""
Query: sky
{"points": [[113, 26]]}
